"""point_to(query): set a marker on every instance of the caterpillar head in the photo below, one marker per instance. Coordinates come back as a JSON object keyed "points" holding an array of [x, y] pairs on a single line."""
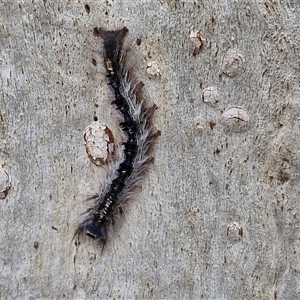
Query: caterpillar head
{"points": [[96, 230]]}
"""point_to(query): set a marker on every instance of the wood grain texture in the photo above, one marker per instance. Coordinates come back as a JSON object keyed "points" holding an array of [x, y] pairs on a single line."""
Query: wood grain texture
{"points": [[173, 243]]}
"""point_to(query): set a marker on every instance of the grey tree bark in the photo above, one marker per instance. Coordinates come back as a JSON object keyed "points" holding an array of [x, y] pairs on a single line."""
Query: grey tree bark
{"points": [[217, 216]]}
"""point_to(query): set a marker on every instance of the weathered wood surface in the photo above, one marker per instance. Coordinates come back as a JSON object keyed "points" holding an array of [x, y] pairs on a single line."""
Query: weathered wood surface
{"points": [[174, 242]]}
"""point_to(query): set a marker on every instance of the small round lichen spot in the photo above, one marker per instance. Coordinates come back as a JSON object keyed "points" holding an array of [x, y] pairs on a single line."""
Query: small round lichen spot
{"points": [[233, 62], [99, 143], [196, 38], [198, 41], [153, 70], [199, 123], [236, 119], [5, 183], [210, 95], [234, 231]]}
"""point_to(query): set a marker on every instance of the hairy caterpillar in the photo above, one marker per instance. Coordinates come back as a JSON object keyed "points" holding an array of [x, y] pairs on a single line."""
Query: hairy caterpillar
{"points": [[124, 174]]}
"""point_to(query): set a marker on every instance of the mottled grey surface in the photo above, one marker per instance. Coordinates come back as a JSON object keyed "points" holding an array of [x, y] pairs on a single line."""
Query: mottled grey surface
{"points": [[173, 241]]}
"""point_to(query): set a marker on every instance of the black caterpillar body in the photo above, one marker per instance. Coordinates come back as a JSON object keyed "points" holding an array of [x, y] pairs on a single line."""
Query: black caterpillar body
{"points": [[124, 174]]}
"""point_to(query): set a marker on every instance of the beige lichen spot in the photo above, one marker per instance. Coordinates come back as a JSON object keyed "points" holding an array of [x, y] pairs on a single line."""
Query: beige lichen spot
{"points": [[99, 143], [234, 231], [233, 62], [198, 41], [199, 123], [236, 119], [5, 183], [153, 70], [210, 95]]}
